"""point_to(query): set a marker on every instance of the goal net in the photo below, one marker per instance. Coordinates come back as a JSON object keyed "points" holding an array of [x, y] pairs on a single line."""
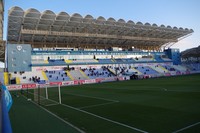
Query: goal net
{"points": [[45, 95]]}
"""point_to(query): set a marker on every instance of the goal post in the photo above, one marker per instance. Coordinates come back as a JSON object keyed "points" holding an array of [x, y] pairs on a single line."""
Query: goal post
{"points": [[46, 91], [59, 93]]}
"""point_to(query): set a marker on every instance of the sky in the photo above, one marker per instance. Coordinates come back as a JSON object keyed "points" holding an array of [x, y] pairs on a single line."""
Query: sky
{"points": [[179, 13]]}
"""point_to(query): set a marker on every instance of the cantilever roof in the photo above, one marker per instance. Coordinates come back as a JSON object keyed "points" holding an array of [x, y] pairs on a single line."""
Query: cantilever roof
{"points": [[50, 29]]}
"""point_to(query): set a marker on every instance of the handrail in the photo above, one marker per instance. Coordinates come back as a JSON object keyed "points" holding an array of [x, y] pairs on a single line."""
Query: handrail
{"points": [[1, 109]]}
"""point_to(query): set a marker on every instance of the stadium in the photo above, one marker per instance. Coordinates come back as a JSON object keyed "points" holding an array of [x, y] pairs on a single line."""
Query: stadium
{"points": [[74, 73]]}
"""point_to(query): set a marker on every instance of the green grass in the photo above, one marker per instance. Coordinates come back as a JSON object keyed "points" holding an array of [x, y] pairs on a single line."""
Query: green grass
{"points": [[160, 105], [26, 117]]}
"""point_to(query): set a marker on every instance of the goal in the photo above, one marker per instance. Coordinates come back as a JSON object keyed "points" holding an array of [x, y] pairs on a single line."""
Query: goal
{"points": [[45, 95]]}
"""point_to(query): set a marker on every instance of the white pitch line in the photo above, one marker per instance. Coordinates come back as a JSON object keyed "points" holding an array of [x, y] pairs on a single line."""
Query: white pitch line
{"points": [[186, 127], [92, 97], [183, 91], [103, 118], [97, 105], [155, 89], [106, 119], [52, 104], [57, 117]]}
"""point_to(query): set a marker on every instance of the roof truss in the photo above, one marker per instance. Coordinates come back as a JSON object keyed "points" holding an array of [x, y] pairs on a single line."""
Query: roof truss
{"points": [[32, 26]]}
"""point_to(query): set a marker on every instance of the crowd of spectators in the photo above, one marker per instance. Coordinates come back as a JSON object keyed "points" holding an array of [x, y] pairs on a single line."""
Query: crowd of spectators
{"points": [[97, 72], [56, 74]]}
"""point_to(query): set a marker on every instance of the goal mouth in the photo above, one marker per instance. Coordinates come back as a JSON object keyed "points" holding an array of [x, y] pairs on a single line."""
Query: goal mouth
{"points": [[45, 95]]}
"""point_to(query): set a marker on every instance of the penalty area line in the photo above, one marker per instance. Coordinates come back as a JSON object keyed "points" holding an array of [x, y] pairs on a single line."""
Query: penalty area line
{"points": [[192, 125], [103, 118], [57, 117], [106, 119], [105, 99], [97, 105], [53, 104]]}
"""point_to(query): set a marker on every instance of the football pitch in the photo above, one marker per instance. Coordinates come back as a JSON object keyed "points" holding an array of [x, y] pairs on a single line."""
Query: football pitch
{"points": [[159, 105]]}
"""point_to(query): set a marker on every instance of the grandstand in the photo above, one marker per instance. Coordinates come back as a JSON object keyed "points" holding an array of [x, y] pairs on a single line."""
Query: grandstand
{"points": [[45, 52], [189, 53], [59, 48], [190, 58]]}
